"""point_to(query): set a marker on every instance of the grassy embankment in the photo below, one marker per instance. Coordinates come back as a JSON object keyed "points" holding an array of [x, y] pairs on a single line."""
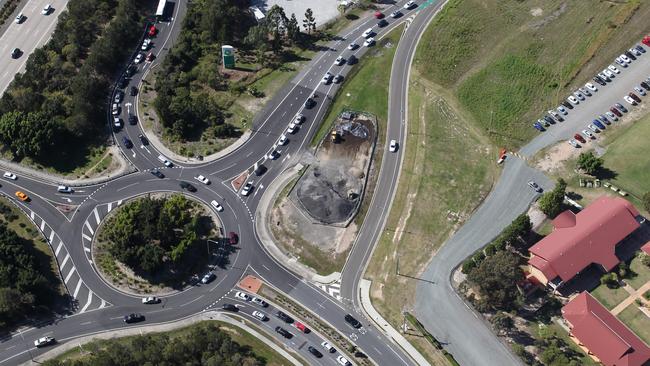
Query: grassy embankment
{"points": [[237, 334], [482, 71]]}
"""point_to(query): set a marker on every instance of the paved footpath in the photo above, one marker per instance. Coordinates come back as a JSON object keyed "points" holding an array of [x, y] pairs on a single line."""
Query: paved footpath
{"points": [[634, 294]]}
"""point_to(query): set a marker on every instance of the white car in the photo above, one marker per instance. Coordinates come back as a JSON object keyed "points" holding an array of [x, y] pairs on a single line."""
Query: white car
{"points": [[614, 69], [260, 302], [369, 42], [640, 91], [293, 127], [242, 296], [260, 315], [392, 147], [608, 73], [409, 5], [138, 58], [116, 109], [625, 58], [593, 128], [619, 61], [150, 300], [10, 175], [572, 99], [611, 116], [588, 134], [535, 186], [629, 100], [368, 33], [342, 360], [19, 18], [248, 187], [64, 189], [326, 78], [562, 110], [46, 9], [591, 87], [579, 95], [44, 341], [283, 140], [353, 46], [339, 61], [585, 91], [216, 206], [274, 155], [574, 143], [328, 347], [202, 179], [396, 14], [145, 45], [299, 118]]}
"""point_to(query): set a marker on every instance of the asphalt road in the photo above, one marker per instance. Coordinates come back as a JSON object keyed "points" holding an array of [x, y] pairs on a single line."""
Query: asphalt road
{"points": [[70, 221], [34, 31]]}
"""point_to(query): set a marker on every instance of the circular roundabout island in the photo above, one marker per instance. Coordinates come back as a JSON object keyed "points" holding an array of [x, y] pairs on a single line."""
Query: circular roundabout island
{"points": [[158, 244]]}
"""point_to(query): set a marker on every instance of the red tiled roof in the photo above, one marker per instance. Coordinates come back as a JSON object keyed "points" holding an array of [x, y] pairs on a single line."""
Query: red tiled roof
{"points": [[604, 335], [588, 237]]}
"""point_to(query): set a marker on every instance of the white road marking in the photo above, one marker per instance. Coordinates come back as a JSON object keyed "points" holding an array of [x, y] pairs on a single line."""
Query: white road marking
{"points": [[76, 290], [51, 236], [86, 237], [67, 278], [110, 206], [87, 249], [65, 260], [58, 249], [31, 214], [90, 299], [187, 303], [96, 214], [89, 228], [42, 225], [103, 304]]}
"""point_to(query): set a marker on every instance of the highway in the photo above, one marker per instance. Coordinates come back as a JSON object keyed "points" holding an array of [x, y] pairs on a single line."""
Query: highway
{"points": [[33, 32], [69, 222]]}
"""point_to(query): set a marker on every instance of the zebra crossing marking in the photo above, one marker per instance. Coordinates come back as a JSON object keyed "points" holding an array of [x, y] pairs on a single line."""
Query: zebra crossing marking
{"points": [[334, 290]]}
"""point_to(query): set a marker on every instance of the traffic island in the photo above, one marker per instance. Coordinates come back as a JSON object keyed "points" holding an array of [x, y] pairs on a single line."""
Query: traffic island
{"points": [[156, 244], [312, 219]]}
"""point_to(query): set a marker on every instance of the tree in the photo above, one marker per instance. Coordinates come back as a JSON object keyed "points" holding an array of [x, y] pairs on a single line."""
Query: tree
{"points": [[276, 21], [502, 321], [646, 201], [293, 29], [551, 202], [610, 280], [589, 162], [496, 278], [309, 23]]}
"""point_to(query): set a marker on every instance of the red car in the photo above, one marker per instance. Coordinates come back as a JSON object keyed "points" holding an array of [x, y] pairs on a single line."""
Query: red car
{"points": [[302, 327], [616, 111], [379, 15], [635, 97], [646, 41], [579, 137], [233, 238], [152, 31], [150, 57]]}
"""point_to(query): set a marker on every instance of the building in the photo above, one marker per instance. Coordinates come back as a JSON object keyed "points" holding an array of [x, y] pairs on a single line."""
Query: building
{"points": [[601, 335], [579, 240]]}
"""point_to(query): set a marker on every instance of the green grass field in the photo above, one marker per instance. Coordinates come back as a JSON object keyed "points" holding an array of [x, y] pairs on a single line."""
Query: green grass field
{"points": [[637, 321], [627, 156], [509, 61], [609, 297], [641, 274]]}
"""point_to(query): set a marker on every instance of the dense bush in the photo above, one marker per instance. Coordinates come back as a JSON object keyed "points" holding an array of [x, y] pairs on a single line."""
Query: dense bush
{"points": [[496, 278], [148, 232], [60, 98], [202, 345], [23, 285]]}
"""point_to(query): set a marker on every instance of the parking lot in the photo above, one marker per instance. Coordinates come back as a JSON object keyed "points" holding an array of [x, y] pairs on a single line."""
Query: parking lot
{"points": [[324, 10], [600, 102]]}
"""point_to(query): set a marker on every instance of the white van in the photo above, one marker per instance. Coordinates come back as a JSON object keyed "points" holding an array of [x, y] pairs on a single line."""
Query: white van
{"points": [[165, 161], [368, 33]]}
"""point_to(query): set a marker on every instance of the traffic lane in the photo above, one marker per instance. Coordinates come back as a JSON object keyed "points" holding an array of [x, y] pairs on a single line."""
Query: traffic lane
{"points": [[449, 319], [47, 191], [32, 33], [586, 111], [299, 342]]}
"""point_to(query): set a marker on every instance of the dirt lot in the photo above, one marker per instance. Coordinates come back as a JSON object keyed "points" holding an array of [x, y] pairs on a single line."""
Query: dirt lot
{"points": [[313, 216]]}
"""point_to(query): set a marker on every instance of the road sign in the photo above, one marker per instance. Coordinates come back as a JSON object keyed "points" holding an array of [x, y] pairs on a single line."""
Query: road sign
{"points": [[228, 54]]}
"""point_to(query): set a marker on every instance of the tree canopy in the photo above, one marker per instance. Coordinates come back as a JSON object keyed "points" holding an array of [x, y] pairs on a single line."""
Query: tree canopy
{"points": [[147, 233], [200, 345], [496, 278], [589, 162], [60, 99], [551, 203]]}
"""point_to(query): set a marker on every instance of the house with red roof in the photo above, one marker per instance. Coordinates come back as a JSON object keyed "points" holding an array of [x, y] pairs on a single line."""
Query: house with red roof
{"points": [[601, 335], [579, 240]]}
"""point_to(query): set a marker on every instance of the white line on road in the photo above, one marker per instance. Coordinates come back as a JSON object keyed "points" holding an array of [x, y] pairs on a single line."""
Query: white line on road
{"points": [[67, 278], [90, 299], [58, 249], [76, 289], [125, 187], [86, 323], [65, 260], [187, 303], [96, 214], [110, 206], [86, 237], [89, 228]]}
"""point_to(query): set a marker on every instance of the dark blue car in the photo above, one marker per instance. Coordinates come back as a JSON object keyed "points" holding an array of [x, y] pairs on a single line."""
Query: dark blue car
{"points": [[539, 126], [604, 119], [598, 124]]}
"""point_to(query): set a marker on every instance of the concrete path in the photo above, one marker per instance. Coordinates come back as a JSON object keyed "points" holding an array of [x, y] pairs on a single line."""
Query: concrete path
{"points": [[634, 295]]}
